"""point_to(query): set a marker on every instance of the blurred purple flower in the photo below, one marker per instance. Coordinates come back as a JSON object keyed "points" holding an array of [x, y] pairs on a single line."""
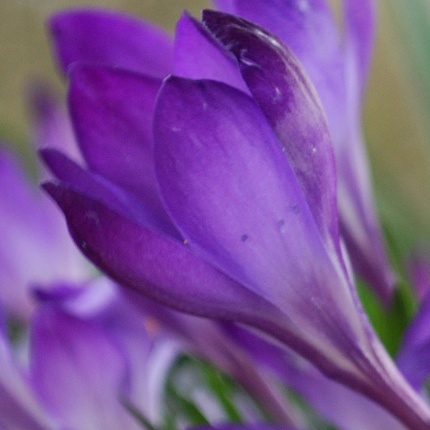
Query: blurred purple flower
{"points": [[36, 247], [217, 213], [19, 406], [414, 354], [212, 341], [89, 357]]}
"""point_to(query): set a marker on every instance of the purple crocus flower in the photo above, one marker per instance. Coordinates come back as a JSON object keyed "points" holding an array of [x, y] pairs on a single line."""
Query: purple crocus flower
{"points": [[338, 68], [216, 213]]}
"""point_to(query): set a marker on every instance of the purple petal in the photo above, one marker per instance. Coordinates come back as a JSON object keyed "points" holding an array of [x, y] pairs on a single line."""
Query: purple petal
{"points": [[227, 186], [51, 124], [78, 372], [36, 247], [112, 114], [19, 407], [147, 358], [160, 267], [359, 224], [309, 29], [91, 184], [414, 355], [199, 56], [289, 101], [230, 190], [110, 38], [419, 273], [233, 196], [357, 412], [99, 188], [228, 6], [360, 26]]}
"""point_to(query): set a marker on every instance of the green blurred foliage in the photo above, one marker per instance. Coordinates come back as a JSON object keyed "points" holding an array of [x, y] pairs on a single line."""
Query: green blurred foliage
{"points": [[395, 120]]}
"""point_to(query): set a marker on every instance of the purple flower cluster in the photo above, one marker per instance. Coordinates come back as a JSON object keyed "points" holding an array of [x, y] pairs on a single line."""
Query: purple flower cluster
{"points": [[221, 174]]}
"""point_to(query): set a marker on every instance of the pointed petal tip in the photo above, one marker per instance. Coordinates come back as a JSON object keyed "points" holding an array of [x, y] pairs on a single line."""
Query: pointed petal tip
{"points": [[53, 189], [51, 157], [110, 37]]}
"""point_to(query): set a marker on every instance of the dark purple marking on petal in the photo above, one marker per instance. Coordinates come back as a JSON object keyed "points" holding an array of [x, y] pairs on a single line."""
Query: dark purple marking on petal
{"points": [[300, 24], [283, 91], [308, 28], [198, 55]]}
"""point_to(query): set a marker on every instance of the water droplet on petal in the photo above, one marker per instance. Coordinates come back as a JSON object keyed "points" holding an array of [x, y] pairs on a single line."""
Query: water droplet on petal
{"points": [[277, 95]]}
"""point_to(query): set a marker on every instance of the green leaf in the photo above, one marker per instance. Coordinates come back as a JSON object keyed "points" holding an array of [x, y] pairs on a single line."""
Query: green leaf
{"points": [[223, 390], [390, 323]]}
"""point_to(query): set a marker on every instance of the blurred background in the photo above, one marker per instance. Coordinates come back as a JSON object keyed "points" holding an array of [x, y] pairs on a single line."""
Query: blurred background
{"points": [[396, 116]]}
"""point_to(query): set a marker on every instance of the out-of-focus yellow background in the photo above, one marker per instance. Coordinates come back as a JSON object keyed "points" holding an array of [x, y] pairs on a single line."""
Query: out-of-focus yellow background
{"points": [[397, 132], [397, 128]]}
